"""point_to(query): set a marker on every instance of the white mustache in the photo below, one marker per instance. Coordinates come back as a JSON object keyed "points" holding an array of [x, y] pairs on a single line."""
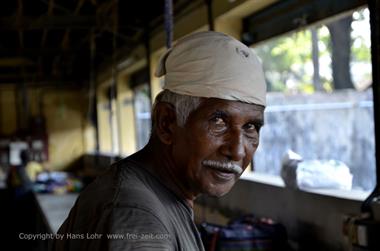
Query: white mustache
{"points": [[223, 166]]}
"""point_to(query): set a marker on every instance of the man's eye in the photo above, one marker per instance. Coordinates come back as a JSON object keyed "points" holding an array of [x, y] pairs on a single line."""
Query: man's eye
{"points": [[219, 121], [252, 128], [217, 124]]}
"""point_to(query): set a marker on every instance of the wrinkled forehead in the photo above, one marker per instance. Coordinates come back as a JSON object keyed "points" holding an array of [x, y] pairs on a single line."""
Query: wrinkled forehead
{"points": [[219, 102], [237, 108]]}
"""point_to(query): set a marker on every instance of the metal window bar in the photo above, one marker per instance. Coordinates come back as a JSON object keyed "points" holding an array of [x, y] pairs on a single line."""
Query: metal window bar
{"points": [[374, 12]]}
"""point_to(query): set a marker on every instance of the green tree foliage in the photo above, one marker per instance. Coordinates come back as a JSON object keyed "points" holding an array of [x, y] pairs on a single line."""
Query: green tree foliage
{"points": [[287, 60]]}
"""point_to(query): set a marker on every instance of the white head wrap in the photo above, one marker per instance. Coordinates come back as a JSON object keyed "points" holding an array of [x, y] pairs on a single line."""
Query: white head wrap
{"points": [[213, 65]]}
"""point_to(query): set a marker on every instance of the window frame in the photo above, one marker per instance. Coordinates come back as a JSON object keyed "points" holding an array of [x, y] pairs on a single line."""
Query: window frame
{"points": [[296, 14]]}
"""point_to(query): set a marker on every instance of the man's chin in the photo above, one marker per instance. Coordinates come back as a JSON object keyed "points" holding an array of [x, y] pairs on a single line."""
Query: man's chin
{"points": [[219, 191]]}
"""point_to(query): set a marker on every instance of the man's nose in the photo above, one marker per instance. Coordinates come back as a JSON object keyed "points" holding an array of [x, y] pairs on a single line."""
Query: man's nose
{"points": [[233, 147]]}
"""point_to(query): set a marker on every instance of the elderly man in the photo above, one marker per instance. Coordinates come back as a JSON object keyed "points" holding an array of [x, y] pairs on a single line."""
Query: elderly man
{"points": [[205, 132]]}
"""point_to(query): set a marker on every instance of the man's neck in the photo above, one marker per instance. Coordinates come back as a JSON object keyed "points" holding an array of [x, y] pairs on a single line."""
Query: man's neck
{"points": [[156, 158]]}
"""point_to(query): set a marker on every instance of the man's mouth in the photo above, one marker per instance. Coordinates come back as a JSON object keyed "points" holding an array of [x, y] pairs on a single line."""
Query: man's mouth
{"points": [[223, 167]]}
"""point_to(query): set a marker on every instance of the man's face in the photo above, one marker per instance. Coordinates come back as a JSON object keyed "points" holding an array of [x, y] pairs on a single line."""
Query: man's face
{"points": [[216, 145]]}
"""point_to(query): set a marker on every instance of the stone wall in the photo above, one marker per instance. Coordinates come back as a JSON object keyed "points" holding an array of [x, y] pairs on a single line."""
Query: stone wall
{"points": [[337, 126]]}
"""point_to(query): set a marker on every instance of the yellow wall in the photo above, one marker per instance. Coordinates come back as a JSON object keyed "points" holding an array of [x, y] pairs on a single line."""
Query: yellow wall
{"points": [[8, 110], [127, 138], [89, 137], [65, 118], [124, 119], [64, 114], [124, 111], [155, 83], [230, 22], [104, 126]]}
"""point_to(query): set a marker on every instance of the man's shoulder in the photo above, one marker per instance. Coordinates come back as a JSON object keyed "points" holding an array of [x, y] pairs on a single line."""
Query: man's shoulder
{"points": [[125, 184], [140, 189], [128, 200]]}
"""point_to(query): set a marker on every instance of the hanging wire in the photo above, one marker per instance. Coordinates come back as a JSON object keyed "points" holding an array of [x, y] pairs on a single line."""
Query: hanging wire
{"points": [[91, 90], [113, 110], [114, 51], [92, 112], [169, 22], [210, 16], [148, 59]]}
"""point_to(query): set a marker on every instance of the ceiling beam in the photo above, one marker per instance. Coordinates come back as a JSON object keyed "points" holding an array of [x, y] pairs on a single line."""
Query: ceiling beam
{"points": [[72, 84], [15, 62], [34, 52], [19, 16], [66, 36], [65, 44], [12, 23], [50, 9], [48, 22], [49, 13], [42, 52], [57, 6], [35, 78]]}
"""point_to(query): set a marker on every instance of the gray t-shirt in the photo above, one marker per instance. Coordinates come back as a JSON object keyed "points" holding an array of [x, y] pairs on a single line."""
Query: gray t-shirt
{"points": [[127, 208]]}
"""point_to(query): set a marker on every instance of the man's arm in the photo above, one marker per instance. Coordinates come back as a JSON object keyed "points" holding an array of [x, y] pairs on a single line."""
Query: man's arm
{"points": [[137, 229]]}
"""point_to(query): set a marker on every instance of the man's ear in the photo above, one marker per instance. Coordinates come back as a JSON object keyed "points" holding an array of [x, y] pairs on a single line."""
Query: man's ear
{"points": [[165, 122]]}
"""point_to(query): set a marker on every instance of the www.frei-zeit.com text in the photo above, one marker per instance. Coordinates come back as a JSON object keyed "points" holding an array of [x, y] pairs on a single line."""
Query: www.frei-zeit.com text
{"points": [[93, 236]]}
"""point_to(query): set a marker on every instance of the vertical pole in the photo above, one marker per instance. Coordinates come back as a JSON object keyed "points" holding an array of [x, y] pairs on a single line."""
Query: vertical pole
{"points": [[113, 90], [93, 116], [210, 16], [148, 58], [169, 22], [374, 10], [374, 6]]}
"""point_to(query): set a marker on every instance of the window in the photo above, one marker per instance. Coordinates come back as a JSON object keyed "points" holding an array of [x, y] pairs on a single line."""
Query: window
{"points": [[320, 98], [142, 109]]}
